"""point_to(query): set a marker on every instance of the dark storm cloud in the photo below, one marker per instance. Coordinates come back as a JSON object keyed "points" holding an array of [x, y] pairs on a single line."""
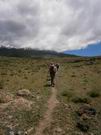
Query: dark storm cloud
{"points": [[11, 30], [9, 26]]}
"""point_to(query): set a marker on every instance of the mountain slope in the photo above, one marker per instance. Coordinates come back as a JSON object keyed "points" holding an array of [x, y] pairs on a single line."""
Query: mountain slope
{"points": [[22, 52]]}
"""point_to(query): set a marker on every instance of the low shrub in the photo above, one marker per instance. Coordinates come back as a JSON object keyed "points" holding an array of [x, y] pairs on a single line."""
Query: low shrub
{"points": [[94, 94], [80, 100]]}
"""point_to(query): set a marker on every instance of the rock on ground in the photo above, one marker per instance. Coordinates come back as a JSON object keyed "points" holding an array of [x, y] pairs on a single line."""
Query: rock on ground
{"points": [[23, 93]]}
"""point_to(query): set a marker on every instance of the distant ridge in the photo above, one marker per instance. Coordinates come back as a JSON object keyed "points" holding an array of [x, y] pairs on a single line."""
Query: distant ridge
{"points": [[91, 50], [27, 52]]}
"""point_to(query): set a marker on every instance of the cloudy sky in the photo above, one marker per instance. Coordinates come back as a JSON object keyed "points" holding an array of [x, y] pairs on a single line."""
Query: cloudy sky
{"points": [[50, 24]]}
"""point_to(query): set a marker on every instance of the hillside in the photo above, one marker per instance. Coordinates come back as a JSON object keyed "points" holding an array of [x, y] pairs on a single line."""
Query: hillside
{"points": [[29, 106], [27, 52]]}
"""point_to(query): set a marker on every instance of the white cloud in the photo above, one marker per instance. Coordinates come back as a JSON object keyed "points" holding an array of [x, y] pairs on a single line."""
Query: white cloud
{"points": [[50, 24]]}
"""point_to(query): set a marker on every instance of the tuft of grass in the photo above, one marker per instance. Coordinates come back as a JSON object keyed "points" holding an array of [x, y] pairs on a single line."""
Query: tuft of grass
{"points": [[67, 94], [12, 74], [3, 73], [1, 84], [19, 71], [94, 94], [83, 126], [25, 77], [81, 100], [2, 100]]}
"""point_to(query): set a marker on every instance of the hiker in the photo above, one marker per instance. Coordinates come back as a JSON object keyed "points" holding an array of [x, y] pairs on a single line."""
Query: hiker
{"points": [[52, 71], [57, 66]]}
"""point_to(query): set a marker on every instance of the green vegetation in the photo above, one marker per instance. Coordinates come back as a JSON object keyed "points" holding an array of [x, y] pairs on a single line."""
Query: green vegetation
{"points": [[1, 84], [94, 94], [67, 94], [23, 112], [78, 83], [81, 100]]}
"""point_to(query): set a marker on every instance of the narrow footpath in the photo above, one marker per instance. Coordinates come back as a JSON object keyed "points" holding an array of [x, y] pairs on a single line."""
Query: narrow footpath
{"points": [[47, 118]]}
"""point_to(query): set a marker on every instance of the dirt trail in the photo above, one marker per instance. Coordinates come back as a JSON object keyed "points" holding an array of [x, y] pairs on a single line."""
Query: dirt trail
{"points": [[47, 119]]}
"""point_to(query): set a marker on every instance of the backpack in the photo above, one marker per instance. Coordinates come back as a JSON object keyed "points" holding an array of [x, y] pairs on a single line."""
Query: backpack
{"points": [[52, 69], [57, 65]]}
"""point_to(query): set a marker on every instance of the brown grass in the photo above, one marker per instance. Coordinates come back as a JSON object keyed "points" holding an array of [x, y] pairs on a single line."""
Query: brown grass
{"points": [[78, 79]]}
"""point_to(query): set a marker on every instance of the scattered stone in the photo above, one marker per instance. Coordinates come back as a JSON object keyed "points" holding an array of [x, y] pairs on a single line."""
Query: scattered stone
{"points": [[38, 97], [89, 111], [10, 116], [85, 117], [24, 93], [58, 130], [11, 133], [90, 63], [86, 112], [26, 133], [91, 133]]}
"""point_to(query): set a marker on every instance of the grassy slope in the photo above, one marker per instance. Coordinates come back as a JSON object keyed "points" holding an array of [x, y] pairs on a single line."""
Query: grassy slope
{"points": [[76, 84], [74, 80], [16, 74]]}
